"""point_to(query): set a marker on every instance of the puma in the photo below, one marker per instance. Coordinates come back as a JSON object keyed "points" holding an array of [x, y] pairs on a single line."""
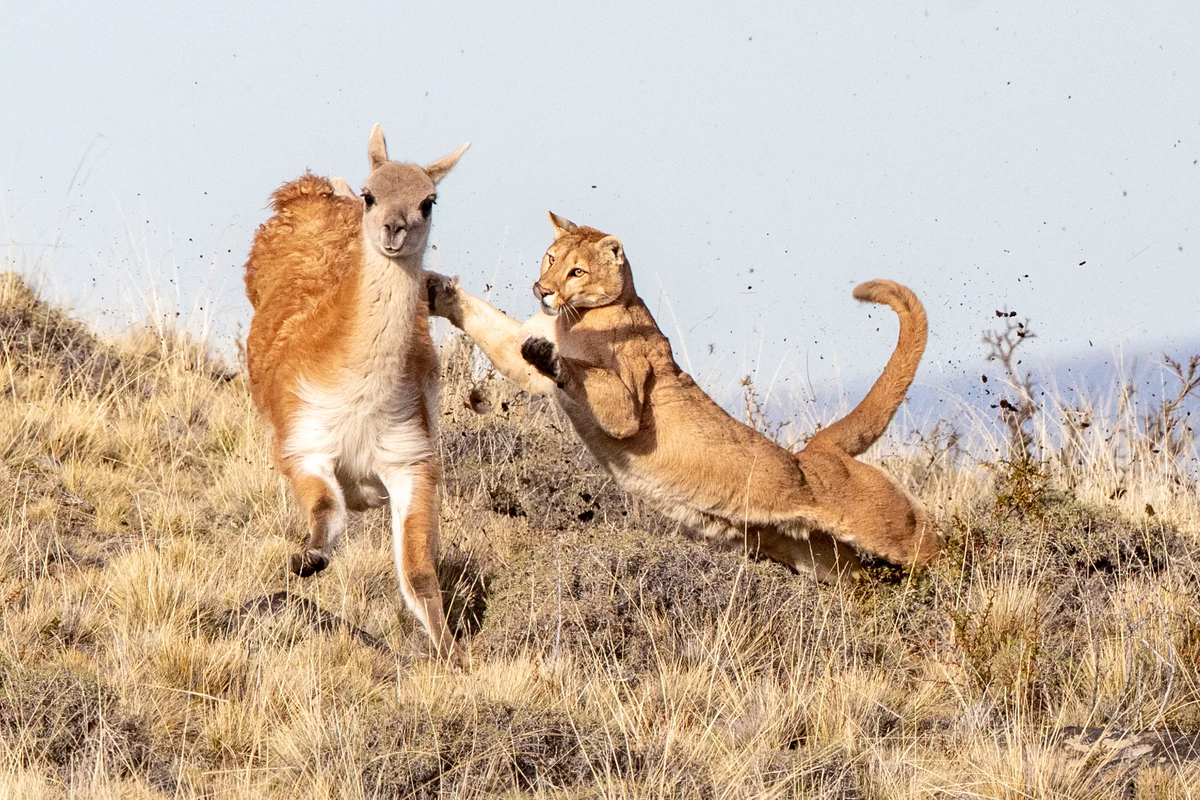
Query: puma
{"points": [[597, 350]]}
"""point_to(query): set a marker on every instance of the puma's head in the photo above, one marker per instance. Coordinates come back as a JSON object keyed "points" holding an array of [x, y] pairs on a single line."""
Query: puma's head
{"points": [[584, 268]]}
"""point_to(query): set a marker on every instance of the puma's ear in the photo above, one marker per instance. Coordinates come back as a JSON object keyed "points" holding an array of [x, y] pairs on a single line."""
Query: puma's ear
{"points": [[377, 148], [610, 248], [562, 225], [438, 169]]}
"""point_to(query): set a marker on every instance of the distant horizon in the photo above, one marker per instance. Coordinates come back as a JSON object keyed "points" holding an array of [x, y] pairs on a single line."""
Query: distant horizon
{"points": [[1062, 375], [1059, 371]]}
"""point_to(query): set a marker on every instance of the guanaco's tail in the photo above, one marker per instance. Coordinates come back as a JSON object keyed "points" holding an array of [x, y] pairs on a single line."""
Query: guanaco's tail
{"points": [[858, 430]]}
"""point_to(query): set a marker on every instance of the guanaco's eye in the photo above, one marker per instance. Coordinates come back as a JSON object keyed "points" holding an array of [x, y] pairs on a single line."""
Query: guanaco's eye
{"points": [[368, 198], [577, 273], [427, 205]]}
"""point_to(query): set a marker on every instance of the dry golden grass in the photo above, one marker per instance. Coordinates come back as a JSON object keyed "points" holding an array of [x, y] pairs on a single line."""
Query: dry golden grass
{"points": [[153, 644]]}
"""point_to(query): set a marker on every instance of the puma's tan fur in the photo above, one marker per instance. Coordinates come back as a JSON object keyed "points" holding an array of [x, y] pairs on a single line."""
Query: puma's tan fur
{"points": [[598, 351]]}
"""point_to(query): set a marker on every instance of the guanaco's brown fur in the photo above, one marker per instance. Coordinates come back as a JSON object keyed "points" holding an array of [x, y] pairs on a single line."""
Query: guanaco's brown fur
{"points": [[343, 368]]}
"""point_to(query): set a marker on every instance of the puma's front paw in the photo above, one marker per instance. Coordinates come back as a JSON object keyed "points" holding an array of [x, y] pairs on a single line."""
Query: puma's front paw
{"points": [[542, 355], [442, 295]]}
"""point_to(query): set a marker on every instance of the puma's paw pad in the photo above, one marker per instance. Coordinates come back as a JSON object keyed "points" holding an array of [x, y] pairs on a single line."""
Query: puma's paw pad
{"points": [[542, 355], [309, 562], [440, 292]]}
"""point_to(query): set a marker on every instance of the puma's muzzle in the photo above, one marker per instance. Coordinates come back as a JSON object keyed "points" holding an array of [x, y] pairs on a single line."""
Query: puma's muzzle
{"points": [[545, 298]]}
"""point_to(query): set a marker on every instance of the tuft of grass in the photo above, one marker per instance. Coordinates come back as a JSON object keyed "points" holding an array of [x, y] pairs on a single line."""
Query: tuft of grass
{"points": [[152, 643], [1022, 485]]}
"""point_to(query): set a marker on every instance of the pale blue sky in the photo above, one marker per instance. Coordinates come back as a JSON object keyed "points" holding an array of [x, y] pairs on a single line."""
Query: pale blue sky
{"points": [[757, 161]]}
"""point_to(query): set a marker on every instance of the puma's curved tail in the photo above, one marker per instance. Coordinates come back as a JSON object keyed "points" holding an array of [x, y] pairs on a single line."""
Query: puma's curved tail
{"points": [[858, 430]]}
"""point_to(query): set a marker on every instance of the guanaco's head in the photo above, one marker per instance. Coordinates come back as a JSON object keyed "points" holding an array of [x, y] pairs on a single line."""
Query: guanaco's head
{"points": [[584, 268], [398, 199]]}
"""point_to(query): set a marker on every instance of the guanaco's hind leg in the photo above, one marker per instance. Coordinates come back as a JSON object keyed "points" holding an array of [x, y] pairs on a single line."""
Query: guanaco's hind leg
{"points": [[414, 504], [821, 555], [319, 495]]}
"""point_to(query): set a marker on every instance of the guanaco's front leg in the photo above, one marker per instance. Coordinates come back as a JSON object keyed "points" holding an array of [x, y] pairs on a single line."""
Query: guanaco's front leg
{"points": [[317, 490]]}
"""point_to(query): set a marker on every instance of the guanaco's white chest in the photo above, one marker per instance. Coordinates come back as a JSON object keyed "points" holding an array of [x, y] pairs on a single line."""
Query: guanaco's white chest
{"points": [[364, 428]]}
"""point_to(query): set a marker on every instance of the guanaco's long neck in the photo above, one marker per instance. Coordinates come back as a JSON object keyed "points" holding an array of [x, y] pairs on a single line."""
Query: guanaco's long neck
{"points": [[387, 299]]}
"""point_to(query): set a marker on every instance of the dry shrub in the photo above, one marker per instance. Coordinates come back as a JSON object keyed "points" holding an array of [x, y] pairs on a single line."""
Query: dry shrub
{"points": [[56, 721], [491, 748]]}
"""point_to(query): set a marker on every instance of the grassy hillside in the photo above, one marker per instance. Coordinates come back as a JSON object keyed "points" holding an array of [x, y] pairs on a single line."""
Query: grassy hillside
{"points": [[152, 643]]}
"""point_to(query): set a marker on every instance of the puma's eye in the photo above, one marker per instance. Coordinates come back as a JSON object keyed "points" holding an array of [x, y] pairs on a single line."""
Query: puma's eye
{"points": [[427, 206], [550, 259], [577, 273], [368, 198]]}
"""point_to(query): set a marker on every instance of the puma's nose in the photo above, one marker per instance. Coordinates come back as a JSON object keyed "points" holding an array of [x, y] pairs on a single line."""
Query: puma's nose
{"points": [[538, 291]]}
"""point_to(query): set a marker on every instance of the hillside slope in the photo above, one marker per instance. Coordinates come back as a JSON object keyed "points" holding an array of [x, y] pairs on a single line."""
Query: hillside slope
{"points": [[153, 644]]}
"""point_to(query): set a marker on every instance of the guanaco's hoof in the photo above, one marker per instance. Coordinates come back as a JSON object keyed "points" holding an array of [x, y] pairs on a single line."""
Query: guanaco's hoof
{"points": [[458, 659], [310, 562]]}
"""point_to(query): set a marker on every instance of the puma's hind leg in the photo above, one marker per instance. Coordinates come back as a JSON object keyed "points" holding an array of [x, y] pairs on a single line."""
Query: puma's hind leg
{"points": [[317, 490], [414, 504], [873, 510], [820, 555]]}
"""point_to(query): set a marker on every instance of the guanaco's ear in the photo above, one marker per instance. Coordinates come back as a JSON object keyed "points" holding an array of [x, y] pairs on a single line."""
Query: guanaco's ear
{"points": [[377, 148], [439, 169], [562, 225], [610, 248], [341, 188]]}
